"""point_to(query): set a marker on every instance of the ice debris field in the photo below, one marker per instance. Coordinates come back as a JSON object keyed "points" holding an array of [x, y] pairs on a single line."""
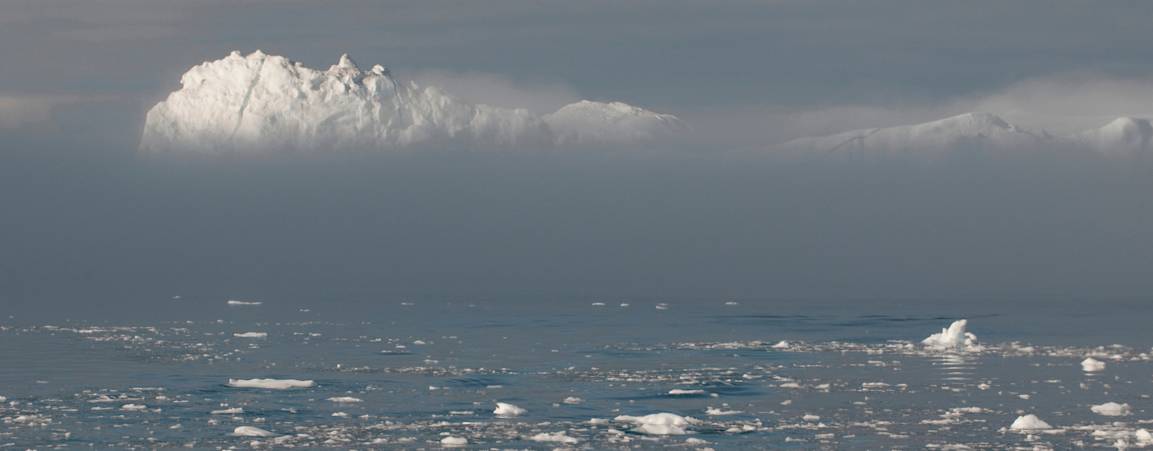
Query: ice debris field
{"points": [[583, 375]]}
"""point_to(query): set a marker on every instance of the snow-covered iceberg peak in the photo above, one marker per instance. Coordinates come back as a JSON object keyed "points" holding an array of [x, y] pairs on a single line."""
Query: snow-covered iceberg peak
{"points": [[1121, 136], [983, 131], [261, 102], [952, 338], [610, 123]]}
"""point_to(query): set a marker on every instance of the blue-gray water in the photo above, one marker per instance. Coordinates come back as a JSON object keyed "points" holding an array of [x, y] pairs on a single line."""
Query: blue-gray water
{"points": [[427, 369]]}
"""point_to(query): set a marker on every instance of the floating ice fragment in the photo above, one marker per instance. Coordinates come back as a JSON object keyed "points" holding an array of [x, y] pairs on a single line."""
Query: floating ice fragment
{"points": [[953, 338], [555, 437], [251, 335], [573, 400], [251, 431], [273, 384], [1028, 422], [1091, 365], [242, 302], [717, 411], [133, 407], [658, 423], [231, 411], [453, 442], [685, 392], [345, 400], [781, 345], [1112, 409], [504, 409]]}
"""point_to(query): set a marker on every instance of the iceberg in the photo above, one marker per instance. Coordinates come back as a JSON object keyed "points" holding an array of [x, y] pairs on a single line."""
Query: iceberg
{"points": [[953, 338], [272, 384], [658, 423], [268, 103], [1091, 365], [504, 409], [1028, 422], [1112, 409], [251, 431], [983, 131]]}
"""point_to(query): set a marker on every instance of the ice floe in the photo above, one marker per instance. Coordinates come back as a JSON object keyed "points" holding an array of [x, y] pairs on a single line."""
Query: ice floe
{"points": [[504, 409], [273, 384], [658, 423], [251, 431], [954, 338], [1091, 365], [1112, 409], [1029, 422]]}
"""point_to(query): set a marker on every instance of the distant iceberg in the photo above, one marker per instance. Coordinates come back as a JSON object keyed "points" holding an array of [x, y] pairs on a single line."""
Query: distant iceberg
{"points": [[952, 338], [262, 102], [1124, 136]]}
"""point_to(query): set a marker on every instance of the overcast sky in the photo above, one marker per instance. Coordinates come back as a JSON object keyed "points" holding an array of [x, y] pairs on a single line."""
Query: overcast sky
{"points": [[85, 216]]}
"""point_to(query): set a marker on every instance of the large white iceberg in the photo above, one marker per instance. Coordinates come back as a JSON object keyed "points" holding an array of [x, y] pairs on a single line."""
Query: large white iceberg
{"points": [[261, 102]]}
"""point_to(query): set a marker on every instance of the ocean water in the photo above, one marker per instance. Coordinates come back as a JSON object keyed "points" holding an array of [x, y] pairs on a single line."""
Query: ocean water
{"points": [[851, 376]]}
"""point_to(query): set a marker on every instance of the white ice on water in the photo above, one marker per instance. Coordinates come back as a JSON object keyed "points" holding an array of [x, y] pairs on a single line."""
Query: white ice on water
{"points": [[251, 335], [554, 437], [1112, 409], [251, 431], [658, 423], [453, 442], [504, 409], [273, 384], [952, 338], [1029, 422], [1091, 365], [243, 302], [345, 400]]}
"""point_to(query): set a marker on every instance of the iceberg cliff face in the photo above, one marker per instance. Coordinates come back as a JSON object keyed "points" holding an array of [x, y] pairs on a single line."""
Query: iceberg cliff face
{"points": [[263, 102]]}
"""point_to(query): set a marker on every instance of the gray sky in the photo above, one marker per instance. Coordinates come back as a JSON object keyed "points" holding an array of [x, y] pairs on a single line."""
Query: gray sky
{"points": [[84, 216]]}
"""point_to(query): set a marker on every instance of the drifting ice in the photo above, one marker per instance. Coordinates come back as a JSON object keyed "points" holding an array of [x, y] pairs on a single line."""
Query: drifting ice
{"points": [[263, 102], [274, 384], [952, 338], [1028, 422]]}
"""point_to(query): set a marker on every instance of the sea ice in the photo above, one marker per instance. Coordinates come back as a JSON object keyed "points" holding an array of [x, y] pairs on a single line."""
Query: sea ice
{"points": [[953, 338], [345, 400], [274, 384], [241, 302], [1112, 409], [453, 442], [251, 431], [251, 335], [554, 437], [504, 409], [1028, 423], [686, 392], [1091, 365], [230, 411], [658, 423]]}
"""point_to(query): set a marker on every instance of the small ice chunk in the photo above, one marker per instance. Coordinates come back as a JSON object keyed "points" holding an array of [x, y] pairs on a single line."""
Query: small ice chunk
{"points": [[453, 442], [345, 400], [953, 337], [251, 335], [554, 437], [243, 302], [686, 392], [133, 407], [1143, 437], [231, 411], [573, 400], [251, 431], [811, 418], [781, 345], [1091, 365], [1112, 409], [1028, 422], [504, 409], [273, 384], [658, 423], [3, 399], [717, 411]]}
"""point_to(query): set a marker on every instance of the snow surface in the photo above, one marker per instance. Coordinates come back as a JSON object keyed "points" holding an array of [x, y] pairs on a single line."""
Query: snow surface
{"points": [[953, 338], [262, 102], [658, 423], [274, 384], [983, 131], [1028, 422]]}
